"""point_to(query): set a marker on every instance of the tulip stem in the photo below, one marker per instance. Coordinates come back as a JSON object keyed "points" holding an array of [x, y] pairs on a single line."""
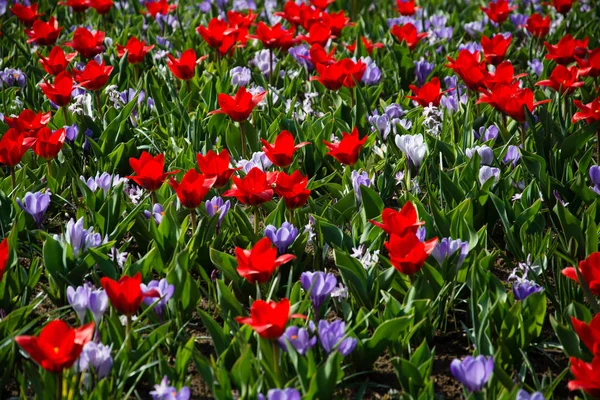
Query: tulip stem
{"points": [[99, 105], [59, 385], [154, 200], [598, 146], [49, 165], [194, 220], [243, 137], [523, 135], [128, 333], [257, 290], [13, 179], [276, 363], [256, 222]]}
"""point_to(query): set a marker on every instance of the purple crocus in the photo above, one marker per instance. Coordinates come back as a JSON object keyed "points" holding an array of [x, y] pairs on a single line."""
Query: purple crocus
{"points": [[473, 372], [13, 77], [394, 111], [35, 204], [97, 356], [331, 337], [165, 291], [80, 238], [486, 155], [447, 247], [536, 66], [486, 134], [283, 237], [71, 132], [281, 394], [423, 69], [299, 338], [98, 303], [486, 173], [216, 205], [165, 391], [524, 288], [372, 74], [156, 213], [472, 47], [79, 299], [319, 285], [524, 395], [240, 76], [595, 177], [301, 54], [512, 155], [359, 179]]}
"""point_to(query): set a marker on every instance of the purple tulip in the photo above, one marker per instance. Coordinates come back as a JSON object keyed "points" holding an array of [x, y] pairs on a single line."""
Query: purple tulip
{"points": [[96, 356], [331, 337], [165, 291], [447, 247], [473, 372], [281, 394], [283, 237], [35, 204], [319, 285], [79, 299], [423, 69], [299, 338], [166, 392]]}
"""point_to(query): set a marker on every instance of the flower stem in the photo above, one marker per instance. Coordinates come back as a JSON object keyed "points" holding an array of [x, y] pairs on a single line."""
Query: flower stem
{"points": [[194, 220], [154, 199], [99, 105], [49, 165], [243, 136], [257, 290], [13, 179], [59, 385], [256, 222], [128, 333], [276, 363]]}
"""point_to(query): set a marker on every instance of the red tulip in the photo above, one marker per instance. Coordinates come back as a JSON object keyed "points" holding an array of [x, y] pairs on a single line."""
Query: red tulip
{"points": [[408, 33], [88, 44], [429, 93], [47, 144], [589, 334], [149, 171], [101, 6], [60, 92], [494, 49], [319, 33], [4, 251], [538, 26], [566, 50], [498, 11], [269, 318], [274, 37], [240, 20], [318, 55], [504, 75], [253, 189], [589, 270], [292, 188], [589, 112], [591, 66], [28, 121], [309, 16], [94, 76], [331, 76], [135, 49], [369, 45], [217, 166], [44, 33], [281, 153], [126, 294], [192, 189], [511, 100], [76, 5], [348, 149], [562, 79], [335, 21], [57, 60], [153, 8], [240, 106], [562, 6], [259, 263], [470, 68], [406, 7], [587, 376], [184, 68], [399, 222], [26, 14], [58, 346], [12, 150], [217, 35], [408, 253], [321, 4], [291, 12]]}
